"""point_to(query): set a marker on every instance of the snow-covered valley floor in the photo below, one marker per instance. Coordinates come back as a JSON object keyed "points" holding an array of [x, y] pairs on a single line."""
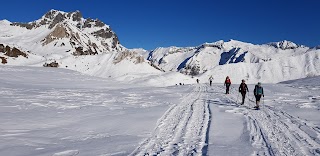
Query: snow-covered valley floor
{"points": [[58, 112]]}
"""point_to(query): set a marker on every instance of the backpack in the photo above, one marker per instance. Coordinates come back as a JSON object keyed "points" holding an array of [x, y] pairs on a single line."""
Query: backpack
{"points": [[258, 90], [228, 81], [243, 87]]}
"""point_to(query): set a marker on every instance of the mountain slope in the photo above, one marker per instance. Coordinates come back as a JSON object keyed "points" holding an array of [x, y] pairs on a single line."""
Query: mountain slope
{"points": [[67, 40], [271, 63]]}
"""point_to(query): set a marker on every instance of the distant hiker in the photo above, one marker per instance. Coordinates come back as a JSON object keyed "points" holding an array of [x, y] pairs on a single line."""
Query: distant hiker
{"points": [[197, 80], [258, 92], [227, 83], [243, 88], [210, 80]]}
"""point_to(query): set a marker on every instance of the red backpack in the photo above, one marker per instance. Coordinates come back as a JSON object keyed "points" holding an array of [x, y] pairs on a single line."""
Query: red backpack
{"points": [[228, 81]]}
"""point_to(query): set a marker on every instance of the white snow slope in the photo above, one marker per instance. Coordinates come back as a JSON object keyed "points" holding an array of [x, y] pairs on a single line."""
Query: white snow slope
{"points": [[52, 111], [269, 63], [99, 55]]}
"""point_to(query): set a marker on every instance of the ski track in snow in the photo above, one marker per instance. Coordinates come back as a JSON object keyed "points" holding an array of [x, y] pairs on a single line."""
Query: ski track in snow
{"points": [[182, 130], [275, 132]]}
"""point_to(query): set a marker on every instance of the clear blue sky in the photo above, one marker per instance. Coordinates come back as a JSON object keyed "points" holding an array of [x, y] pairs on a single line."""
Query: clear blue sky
{"points": [[160, 23]]}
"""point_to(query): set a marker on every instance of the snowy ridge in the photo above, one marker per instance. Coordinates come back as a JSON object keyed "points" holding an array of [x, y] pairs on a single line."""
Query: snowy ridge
{"points": [[270, 63], [285, 45]]}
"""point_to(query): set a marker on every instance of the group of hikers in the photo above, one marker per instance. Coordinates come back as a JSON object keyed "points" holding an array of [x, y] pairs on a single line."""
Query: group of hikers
{"points": [[243, 89], [258, 92]]}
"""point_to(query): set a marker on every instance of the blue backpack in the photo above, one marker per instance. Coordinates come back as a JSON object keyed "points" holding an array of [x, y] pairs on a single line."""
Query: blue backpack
{"points": [[258, 90]]}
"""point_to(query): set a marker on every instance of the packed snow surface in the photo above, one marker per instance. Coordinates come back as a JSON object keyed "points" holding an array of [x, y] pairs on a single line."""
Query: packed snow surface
{"points": [[59, 112]]}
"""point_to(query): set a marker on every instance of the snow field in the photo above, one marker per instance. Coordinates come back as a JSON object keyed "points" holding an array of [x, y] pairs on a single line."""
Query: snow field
{"points": [[49, 111]]}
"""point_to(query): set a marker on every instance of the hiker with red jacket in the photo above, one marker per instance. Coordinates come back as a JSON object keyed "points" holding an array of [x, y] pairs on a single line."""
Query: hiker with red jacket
{"points": [[243, 89], [227, 83]]}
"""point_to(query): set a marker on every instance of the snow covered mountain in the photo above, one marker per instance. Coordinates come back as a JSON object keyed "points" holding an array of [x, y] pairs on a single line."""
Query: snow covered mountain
{"points": [[271, 63], [68, 40], [91, 35]]}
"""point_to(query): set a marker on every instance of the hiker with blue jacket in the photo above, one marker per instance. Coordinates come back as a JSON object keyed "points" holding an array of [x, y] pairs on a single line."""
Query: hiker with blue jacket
{"points": [[258, 92]]}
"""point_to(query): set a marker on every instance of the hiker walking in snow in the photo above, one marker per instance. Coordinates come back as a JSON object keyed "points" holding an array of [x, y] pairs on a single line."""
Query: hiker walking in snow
{"points": [[243, 89], [210, 80], [227, 83], [197, 80], [258, 92]]}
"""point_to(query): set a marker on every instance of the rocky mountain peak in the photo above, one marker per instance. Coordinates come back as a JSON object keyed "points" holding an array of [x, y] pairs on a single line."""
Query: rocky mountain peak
{"points": [[218, 44], [284, 45], [52, 18], [75, 16], [52, 14], [65, 24]]}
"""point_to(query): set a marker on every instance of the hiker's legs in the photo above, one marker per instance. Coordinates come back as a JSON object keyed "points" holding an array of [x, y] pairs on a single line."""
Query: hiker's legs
{"points": [[258, 97], [243, 96], [228, 87]]}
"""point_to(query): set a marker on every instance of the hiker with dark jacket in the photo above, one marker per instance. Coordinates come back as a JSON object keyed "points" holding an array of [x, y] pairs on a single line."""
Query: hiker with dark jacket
{"points": [[258, 92], [227, 83], [210, 80], [243, 89]]}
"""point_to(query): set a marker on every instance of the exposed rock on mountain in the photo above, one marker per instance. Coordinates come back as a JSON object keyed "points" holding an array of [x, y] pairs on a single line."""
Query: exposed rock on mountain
{"points": [[52, 64], [67, 40], [58, 33], [3, 60], [128, 55], [285, 45], [12, 52], [73, 25]]}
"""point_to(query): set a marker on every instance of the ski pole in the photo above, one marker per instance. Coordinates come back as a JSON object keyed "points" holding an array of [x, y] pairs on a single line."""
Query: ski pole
{"points": [[263, 102]]}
